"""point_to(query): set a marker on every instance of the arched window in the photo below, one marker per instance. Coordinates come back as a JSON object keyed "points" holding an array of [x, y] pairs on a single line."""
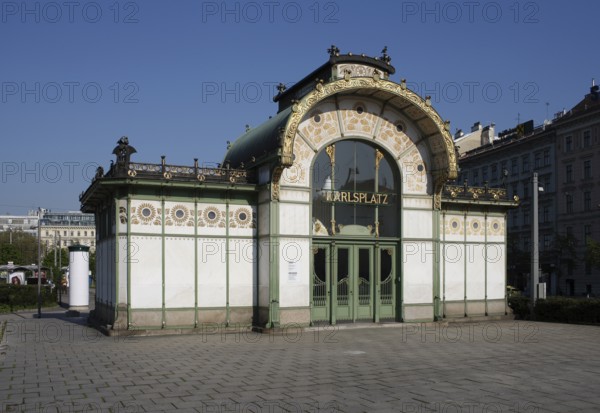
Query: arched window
{"points": [[355, 190]]}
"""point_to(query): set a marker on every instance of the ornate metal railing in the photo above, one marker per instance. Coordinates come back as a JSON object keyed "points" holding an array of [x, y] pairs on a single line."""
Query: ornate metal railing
{"points": [[319, 292], [180, 173], [475, 193], [386, 290]]}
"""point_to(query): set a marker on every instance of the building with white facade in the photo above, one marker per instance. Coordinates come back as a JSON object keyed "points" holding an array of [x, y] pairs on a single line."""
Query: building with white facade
{"points": [[68, 228], [336, 209]]}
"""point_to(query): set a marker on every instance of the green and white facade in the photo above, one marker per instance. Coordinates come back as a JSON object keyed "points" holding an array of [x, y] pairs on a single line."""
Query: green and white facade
{"points": [[336, 209]]}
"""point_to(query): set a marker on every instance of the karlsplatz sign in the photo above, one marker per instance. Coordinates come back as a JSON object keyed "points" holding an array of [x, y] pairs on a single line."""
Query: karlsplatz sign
{"points": [[351, 197]]}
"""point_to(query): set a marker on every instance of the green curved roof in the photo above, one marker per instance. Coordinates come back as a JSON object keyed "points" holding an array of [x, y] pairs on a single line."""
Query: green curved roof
{"points": [[258, 143]]}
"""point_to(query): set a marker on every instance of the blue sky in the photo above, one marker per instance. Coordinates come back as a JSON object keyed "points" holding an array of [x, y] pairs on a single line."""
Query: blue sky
{"points": [[181, 78]]}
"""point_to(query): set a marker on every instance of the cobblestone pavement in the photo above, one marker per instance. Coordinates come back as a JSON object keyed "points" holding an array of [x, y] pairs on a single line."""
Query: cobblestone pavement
{"points": [[58, 364]]}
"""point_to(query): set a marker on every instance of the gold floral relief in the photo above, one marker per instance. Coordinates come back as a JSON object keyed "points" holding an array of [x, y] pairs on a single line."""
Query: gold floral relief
{"points": [[146, 214], [358, 120], [447, 163], [393, 135], [179, 215], [298, 172], [123, 215], [242, 218], [475, 227], [320, 125], [414, 172], [211, 217], [454, 226], [495, 227]]}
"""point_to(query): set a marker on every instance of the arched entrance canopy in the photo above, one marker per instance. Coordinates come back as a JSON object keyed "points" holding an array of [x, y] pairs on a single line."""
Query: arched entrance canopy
{"points": [[275, 138], [433, 129]]}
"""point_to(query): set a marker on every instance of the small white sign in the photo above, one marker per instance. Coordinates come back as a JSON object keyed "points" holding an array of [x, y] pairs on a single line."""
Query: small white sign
{"points": [[293, 275]]}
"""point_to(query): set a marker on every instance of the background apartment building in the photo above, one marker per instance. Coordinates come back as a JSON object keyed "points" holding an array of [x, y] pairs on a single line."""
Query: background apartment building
{"points": [[565, 153]]}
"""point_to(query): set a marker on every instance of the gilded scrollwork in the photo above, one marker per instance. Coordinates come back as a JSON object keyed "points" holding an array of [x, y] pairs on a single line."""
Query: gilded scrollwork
{"points": [[448, 169]]}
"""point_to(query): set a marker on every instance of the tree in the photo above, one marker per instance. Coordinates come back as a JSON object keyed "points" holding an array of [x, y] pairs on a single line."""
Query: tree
{"points": [[19, 247], [592, 253], [63, 259]]}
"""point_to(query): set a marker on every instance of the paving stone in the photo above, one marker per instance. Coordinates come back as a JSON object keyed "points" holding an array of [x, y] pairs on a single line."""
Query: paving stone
{"points": [[500, 366]]}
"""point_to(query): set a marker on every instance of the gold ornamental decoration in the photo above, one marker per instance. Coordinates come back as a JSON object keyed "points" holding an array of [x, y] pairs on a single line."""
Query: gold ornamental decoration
{"points": [[302, 107]]}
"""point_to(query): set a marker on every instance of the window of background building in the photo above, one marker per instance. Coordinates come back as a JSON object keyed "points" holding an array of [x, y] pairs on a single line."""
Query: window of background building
{"points": [[526, 243], [587, 169], [78, 233], [546, 157], [71, 233], [525, 216], [525, 163], [476, 177], [545, 214], [514, 166], [47, 233], [569, 231], [569, 199], [525, 189], [85, 233], [92, 233], [494, 173], [64, 233], [515, 189], [484, 174], [569, 173], [587, 201], [587, 234], [513, 218], [587, 139], [568, 144], [546, 184], [538, 160], [547, 241], [503, 165]]}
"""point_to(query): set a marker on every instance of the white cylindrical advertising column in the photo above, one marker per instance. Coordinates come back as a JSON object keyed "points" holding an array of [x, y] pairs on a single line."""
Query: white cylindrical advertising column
{"points": [[79, 287]]}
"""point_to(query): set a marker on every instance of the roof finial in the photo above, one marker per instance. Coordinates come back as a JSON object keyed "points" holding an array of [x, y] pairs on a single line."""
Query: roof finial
{"points": [[281, 88], [384, 56], [333, 51]]}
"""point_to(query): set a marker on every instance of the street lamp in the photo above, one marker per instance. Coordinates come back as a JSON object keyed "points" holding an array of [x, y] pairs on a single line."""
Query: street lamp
{"points": [[39, 265], [535, 253]]}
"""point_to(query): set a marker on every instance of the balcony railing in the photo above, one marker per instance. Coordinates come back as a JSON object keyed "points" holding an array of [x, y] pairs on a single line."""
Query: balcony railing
{"points": [[476, 193], [180, 173]]}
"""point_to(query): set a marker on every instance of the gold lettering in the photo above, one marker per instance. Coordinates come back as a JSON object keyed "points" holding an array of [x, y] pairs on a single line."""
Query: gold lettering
{"points": [[355, 197], [328, 196], [336, 196], [385, 199], [362, 198]]}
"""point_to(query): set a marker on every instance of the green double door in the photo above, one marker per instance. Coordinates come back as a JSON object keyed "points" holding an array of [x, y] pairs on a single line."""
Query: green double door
{"points": [[353, 282]]}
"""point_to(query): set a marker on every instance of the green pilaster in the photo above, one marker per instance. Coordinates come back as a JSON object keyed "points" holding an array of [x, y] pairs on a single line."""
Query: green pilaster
{"points": [[163, 267], [227, 260], [443, 257], [195, 259], [485, 257], [127, 257], [377, 283], [274, 264], [505, 262], [465, 259], [436, 264]]}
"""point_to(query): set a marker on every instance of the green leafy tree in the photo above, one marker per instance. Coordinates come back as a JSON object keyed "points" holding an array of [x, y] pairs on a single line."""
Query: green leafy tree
{"points": [[62, 259], [592, 253], [19, 247]]}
